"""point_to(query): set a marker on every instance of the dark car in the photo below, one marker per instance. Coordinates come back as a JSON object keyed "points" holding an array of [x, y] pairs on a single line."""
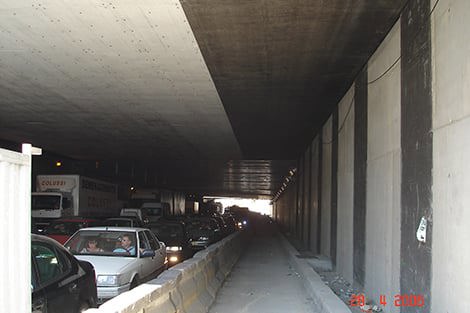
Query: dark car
{"points": [[203, 231], [61, 229], [175, 237], [60, 283], [231, 223]]}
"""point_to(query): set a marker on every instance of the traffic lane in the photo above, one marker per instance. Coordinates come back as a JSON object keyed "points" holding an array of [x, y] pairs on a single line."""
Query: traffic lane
{"points": [[263, 280]]}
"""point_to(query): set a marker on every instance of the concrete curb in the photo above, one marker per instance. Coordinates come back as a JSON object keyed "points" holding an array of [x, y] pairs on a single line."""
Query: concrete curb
{"points": [[324, 298]]}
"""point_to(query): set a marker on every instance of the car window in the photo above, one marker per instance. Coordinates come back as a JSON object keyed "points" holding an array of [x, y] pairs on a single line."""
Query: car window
{"points": [[107, 243], [50, 263], [153, 242], [144, 243]]}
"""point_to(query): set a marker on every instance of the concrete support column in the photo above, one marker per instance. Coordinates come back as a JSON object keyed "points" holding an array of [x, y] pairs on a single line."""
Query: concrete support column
{"points": [[360, 175], [416, 147], [334, 187], [326, 142]]}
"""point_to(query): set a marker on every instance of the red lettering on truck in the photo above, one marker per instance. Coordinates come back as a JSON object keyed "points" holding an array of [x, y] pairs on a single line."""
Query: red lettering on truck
{"points": [[53, 183]]}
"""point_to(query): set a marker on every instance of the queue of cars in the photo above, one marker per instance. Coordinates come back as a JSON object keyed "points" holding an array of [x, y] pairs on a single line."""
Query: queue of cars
{"points": [[118, 255]]}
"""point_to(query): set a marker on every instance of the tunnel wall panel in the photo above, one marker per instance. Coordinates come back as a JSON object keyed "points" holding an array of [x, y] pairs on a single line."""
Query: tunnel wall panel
{"points": [[306, 199], [325, 204], [383, 171], [315, 226], [360, 175], [451, 154], [300, 201], [345, 243], [416, 145]]}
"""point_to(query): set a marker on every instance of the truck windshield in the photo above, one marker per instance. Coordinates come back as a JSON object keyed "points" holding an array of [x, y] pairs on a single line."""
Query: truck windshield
{"points": [[45, 202]]}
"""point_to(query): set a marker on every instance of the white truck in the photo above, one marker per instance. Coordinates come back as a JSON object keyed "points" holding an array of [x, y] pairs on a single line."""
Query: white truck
{"points": [[59, 196]]}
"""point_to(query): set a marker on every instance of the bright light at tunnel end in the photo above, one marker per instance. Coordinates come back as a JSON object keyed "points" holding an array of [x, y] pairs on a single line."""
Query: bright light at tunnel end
{"points": [[255, 205]]}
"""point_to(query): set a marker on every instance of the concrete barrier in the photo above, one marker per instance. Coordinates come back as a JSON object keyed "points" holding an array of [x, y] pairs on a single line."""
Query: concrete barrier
{"points": [[325, 299], [188, 287]]}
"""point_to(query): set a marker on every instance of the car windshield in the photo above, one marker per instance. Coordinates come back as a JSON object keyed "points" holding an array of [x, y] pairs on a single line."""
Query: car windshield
{"points": [[199, 225], [153, 211], [45, 202], [103, 242], [167, 230]]}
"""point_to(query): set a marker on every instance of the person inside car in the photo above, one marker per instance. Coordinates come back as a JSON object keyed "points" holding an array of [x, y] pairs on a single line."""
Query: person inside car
{"points": [[92, 247], [126, 245]]}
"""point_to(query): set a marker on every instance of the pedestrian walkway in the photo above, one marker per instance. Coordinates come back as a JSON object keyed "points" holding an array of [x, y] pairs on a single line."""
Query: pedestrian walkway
{"points": [[263, 281]]}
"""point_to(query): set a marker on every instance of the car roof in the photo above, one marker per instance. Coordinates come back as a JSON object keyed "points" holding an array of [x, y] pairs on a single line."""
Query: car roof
{"points": [[45, 239], [114, 228]]}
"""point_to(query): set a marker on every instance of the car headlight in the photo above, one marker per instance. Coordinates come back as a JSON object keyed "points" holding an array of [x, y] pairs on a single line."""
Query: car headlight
{"points": [[173, 259], [174, 248], [107, 280]]}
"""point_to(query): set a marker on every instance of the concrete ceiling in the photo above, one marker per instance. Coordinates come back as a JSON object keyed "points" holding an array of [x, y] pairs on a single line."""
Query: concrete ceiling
{"points": [[220, 95]]}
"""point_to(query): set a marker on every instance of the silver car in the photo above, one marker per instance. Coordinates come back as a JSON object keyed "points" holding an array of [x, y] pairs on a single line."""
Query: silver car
{"points": [[123, 257]]}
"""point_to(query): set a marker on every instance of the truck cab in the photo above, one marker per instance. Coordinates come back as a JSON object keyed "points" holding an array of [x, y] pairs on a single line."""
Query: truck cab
{"points": [[148, 212], [51, 204]]}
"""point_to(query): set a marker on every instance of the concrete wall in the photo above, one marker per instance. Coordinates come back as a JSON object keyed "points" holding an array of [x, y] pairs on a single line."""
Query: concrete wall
{"points": [[344, 259], [383, 172], [412, 170], [326, 142], [451, 145]]}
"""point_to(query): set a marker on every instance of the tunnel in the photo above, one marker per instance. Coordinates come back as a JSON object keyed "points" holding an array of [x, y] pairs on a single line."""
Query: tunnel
{"points": [[350, 117]]}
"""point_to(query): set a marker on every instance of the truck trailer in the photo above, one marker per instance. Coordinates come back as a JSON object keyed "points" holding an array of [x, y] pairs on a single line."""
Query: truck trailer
{"points": [[59, 196]]}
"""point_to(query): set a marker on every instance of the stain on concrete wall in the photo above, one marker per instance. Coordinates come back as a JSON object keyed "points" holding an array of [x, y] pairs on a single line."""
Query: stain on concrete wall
{"points": [[360, 172], [416, 145]]}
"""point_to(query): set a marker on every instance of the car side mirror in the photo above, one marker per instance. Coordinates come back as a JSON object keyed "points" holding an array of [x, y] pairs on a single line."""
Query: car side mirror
{"points": [[147, 253]]}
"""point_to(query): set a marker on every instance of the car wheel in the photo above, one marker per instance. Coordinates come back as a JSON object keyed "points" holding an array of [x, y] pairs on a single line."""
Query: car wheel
{"points": [[83, 307], [135, 282]]}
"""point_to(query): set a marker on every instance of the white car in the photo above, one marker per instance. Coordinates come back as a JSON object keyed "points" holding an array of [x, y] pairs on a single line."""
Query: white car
{"points": [[123, 257]]}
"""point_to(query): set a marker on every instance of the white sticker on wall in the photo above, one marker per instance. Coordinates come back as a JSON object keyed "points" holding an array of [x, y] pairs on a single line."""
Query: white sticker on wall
{"points": [[421, 232]]}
